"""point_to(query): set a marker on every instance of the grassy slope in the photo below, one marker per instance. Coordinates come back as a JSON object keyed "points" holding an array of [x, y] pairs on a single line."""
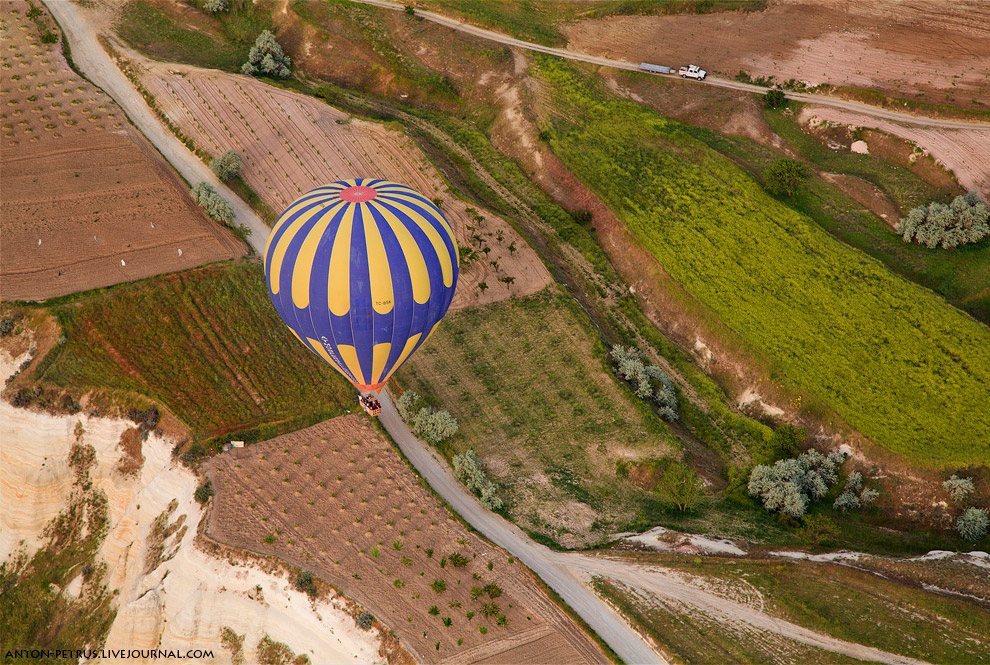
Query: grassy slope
{"points": [[907, 370], [858, 607], [527, 381], [205, 343]]}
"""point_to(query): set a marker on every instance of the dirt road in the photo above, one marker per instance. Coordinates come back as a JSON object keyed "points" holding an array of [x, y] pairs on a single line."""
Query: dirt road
{"points": [[722, 83], [90, 58]]}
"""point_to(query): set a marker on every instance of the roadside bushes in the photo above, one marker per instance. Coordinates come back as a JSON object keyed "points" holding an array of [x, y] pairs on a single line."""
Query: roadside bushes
{"points": [[648, 381], [790, 485], [227, 166], [217, 207], [266, 58], [966, 220], [773, 99], [431, 424], [468, 470]]}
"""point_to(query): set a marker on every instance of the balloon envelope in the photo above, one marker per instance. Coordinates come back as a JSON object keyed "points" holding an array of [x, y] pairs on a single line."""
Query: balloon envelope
{"points": [[362, 271]]}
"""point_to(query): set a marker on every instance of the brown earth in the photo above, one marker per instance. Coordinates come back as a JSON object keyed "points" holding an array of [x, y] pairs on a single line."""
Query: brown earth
{"points": [[938, 51], [292, 143], [339, 501], [87, 201]]}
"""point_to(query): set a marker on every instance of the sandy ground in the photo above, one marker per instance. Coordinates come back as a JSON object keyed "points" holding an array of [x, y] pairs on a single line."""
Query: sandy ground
{"points": [[659, 538], [965, 152], [291, 143], [87, 200], [185, 601], [902, 47], [338, 500]]}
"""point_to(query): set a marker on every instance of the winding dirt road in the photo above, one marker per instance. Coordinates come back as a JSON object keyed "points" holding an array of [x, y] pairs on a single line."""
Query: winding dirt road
{"points": [[722, 83], [564, 573]]}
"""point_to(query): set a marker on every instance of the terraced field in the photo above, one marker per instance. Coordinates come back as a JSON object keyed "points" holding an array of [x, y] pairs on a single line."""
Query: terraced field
{"points": [[87, 200], [337, 500], [291, 143]]}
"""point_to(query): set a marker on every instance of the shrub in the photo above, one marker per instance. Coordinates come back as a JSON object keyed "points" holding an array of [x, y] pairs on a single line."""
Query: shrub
{"points": [[467, 469], [204, 492], [304, 582], [783, 443], [819, 529], [6, 327], [434, 426], [958, 488], [791, 484], [680, 487], [973, 524], [269, 539], [438, 586], [434, 610], [267, 58], [784, 176], [490, 609], [458, 560], [227, 165], [49, 38], [775, 99], [492, 589], [408, 404], [364, 620], [409, 10], [965, 220], [217, 207], [216, 6], [648, 381], [853, 495], [447, 621]]}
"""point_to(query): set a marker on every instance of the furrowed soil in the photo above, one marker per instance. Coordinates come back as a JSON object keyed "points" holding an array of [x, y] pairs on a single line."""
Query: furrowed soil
{"points": [[292, 143], [337, 500], [929, 50], [527, 382], [87, 201]]}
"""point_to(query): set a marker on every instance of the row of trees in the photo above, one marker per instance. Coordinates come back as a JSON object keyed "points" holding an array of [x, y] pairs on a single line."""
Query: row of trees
{"points": [[974, 523], [790, 485], [468, 470], [648, 381], [964, 221]]}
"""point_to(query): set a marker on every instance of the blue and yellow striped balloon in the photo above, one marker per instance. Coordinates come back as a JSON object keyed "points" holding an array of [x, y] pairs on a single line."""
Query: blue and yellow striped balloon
{"points": [[362, 271]]}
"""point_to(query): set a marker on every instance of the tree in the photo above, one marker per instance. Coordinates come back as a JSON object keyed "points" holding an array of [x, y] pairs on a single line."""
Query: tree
{"points": [[648, 381], [227, 165], [966, 220], [775, 99], [784, 176], [468, 470], [410, 10], [791, 484], [783, 443], [266, 58], [212, 203], [973, 524], [958, 488], [408, 404], [204, 492], [216, 6], [680, 487], [304, 582], [434, 426]]}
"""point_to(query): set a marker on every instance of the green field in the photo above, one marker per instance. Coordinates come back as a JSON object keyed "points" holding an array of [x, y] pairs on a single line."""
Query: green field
{"points": [[207, 344], [893, 360], [842, 602], [528, 382]]}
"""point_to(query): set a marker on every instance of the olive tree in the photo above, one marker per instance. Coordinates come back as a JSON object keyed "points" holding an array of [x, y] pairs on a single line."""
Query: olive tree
{"points": [[266, 58], [227, 165], [212, 203], [468, 470], [216, 6], [648, 381], [973, 524], [434, 426], [784, 177], [958, 488], [966, 220], [790, 485]]}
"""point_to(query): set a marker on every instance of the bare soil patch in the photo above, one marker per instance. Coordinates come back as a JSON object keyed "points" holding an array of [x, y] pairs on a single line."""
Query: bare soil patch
{"points": [[934, 50], [866, 194], [337, 500], [87, 200], [963, 152], [291, 143]]}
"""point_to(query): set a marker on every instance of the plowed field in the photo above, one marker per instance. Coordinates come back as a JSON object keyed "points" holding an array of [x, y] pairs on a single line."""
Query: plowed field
{"points": [[337, 500], [292, 143], [87, 202]]}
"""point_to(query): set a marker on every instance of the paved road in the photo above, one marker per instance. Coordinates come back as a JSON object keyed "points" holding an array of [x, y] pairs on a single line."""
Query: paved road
{"points": [[100, 69], [711, 80]]}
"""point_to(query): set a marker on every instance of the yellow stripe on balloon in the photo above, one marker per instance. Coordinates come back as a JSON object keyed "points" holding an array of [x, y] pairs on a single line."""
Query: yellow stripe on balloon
{"points": [[349, 355], [378, 268], [413, 197], [324, 354], [406, 350], [419, 277], [438, 246], [339, 285], [302, 270], [380, 357], [283, 246]]}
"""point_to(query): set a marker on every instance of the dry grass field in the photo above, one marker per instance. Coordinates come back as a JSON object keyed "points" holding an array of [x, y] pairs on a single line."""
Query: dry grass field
{"points": [[292, 143], [337, 500], [87, 201]]}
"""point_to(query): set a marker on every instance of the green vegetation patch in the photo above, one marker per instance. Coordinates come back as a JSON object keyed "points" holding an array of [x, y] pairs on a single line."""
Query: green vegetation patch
{"points": [[206, 343], [855, 606], [528, 382], [896, 363], [220, 41]]}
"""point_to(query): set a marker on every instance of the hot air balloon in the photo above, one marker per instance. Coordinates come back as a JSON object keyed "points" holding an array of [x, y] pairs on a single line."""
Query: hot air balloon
{"points": [[362, 271]]}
